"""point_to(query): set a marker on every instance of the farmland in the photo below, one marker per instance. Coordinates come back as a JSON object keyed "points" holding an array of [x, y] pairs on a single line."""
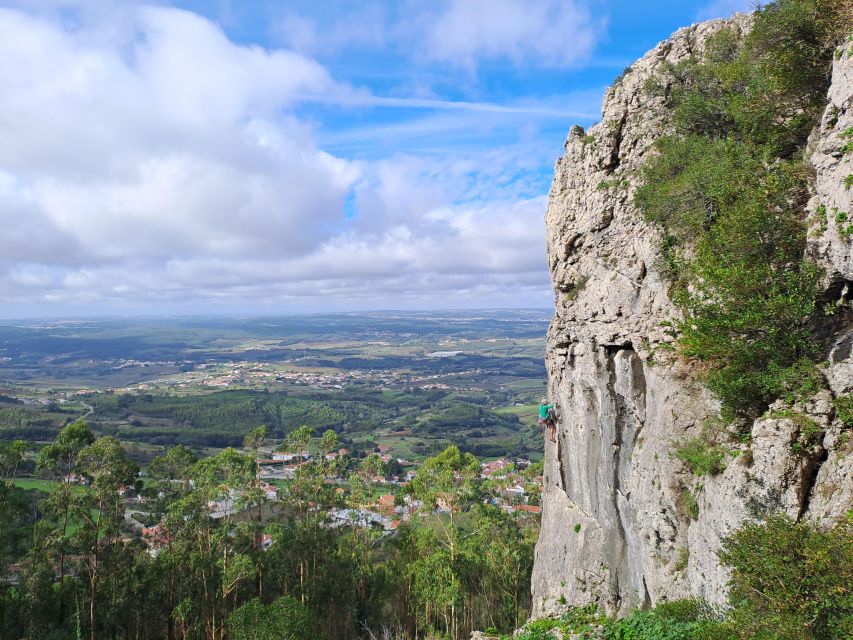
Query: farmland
{"points": [[414, 382]]}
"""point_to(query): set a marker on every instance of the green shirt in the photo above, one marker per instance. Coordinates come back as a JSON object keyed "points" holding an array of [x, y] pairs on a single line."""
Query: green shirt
{"points": [[543, 411]]}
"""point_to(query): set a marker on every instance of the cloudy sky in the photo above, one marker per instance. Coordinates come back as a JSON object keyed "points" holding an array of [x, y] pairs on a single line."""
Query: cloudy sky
{"points": [[205, 156]]}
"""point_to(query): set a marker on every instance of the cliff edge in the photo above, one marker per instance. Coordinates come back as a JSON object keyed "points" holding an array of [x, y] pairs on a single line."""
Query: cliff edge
{"points": [[617, 529]]}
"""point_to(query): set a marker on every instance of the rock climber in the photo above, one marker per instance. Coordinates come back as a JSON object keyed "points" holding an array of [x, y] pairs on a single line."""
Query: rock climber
{"points": [[548, 418]]}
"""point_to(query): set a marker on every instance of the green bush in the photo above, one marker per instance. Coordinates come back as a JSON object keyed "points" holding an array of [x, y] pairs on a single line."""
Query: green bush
{"points": [[729, 191], [790, 580], [702, 457], [678, 620], [683, 559], [653, 625], [844, 409], [690, 504], [283, 619], [809, 429]]}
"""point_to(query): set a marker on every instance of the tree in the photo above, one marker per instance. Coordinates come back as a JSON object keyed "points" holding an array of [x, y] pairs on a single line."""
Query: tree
{"points": [[108, 469], [202, 527], [255, 438], [61, 455], [14, 531], [498, 560], [11, 456], [790, 580], [446, 481], [175, 466], [329, 441], [60, 458], [298, 440]]}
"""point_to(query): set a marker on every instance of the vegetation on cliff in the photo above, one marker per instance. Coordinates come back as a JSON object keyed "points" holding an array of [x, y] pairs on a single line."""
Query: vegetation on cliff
{"points": [[730, 186], [790, 581]]}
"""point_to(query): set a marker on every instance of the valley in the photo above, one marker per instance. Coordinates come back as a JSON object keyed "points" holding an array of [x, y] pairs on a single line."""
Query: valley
{"points": [[410, 382]]}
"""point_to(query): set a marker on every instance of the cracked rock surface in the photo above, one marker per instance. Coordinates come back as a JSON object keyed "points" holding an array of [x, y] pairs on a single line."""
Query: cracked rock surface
{"points": [[615, 530]]}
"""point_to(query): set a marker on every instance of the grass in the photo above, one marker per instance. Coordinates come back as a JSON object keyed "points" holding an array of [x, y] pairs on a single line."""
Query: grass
{"points": [[44, 486], [844, 410], [525, 413], [677, 620], [702, 457], [691, 506], [30, 484]]}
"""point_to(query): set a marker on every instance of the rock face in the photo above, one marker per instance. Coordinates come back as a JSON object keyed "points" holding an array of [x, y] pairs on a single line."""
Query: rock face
{"points": [[618, 523]]}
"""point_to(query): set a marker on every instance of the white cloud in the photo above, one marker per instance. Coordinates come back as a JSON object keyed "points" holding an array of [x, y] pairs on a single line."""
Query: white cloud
{"points": [[725, 8], [340, 27], [541, 33], [157, 161], [406, 247], [170, 142], [554, 33]]}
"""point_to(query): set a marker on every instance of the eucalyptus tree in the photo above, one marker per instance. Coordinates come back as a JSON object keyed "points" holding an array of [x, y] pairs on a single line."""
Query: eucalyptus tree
{"points": [[60, 459], [297, 440], [329, 441], [108, 470], [207, 569], [11, 456], [255, 438], [445, 483], [284, 619]]}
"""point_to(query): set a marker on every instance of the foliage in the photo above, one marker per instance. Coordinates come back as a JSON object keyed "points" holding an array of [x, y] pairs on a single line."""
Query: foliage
{"points": [[683, 559], [728, 189], [844, 409], [790, 580], [11, 457], [225, 418], [678, 620], [690, 504], [255, 438], [284, 619], [704, 458], [444, 573], [447, 479], [809, 429]]}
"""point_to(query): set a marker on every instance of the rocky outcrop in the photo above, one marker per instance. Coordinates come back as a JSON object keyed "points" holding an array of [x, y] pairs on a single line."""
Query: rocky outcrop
{"points": [[619, 524]]}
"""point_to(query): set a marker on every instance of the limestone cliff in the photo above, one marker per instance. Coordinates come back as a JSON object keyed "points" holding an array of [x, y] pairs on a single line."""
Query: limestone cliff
{"points": [[615, 529]]}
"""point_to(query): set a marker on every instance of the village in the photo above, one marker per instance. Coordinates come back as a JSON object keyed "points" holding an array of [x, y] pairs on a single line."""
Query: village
{"points": [[503, 483], [254, 375]]}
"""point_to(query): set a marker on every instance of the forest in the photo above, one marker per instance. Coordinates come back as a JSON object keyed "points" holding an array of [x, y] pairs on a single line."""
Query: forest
{"points": [[222, 419], [73, 563]]}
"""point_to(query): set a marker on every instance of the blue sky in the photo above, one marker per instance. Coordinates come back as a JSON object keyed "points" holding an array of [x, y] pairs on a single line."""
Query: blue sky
{"points": [[227, 156]]}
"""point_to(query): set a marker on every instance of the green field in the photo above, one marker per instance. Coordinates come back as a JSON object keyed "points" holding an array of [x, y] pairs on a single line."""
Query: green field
{"points": [[28, 484], [44, 486], [525, 412]]}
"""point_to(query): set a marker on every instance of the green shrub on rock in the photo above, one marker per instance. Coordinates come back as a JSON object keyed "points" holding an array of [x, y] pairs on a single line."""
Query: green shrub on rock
{"points": [[729, 189], [702, 457], [844, 409], [791, 581], [678, 620]]}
